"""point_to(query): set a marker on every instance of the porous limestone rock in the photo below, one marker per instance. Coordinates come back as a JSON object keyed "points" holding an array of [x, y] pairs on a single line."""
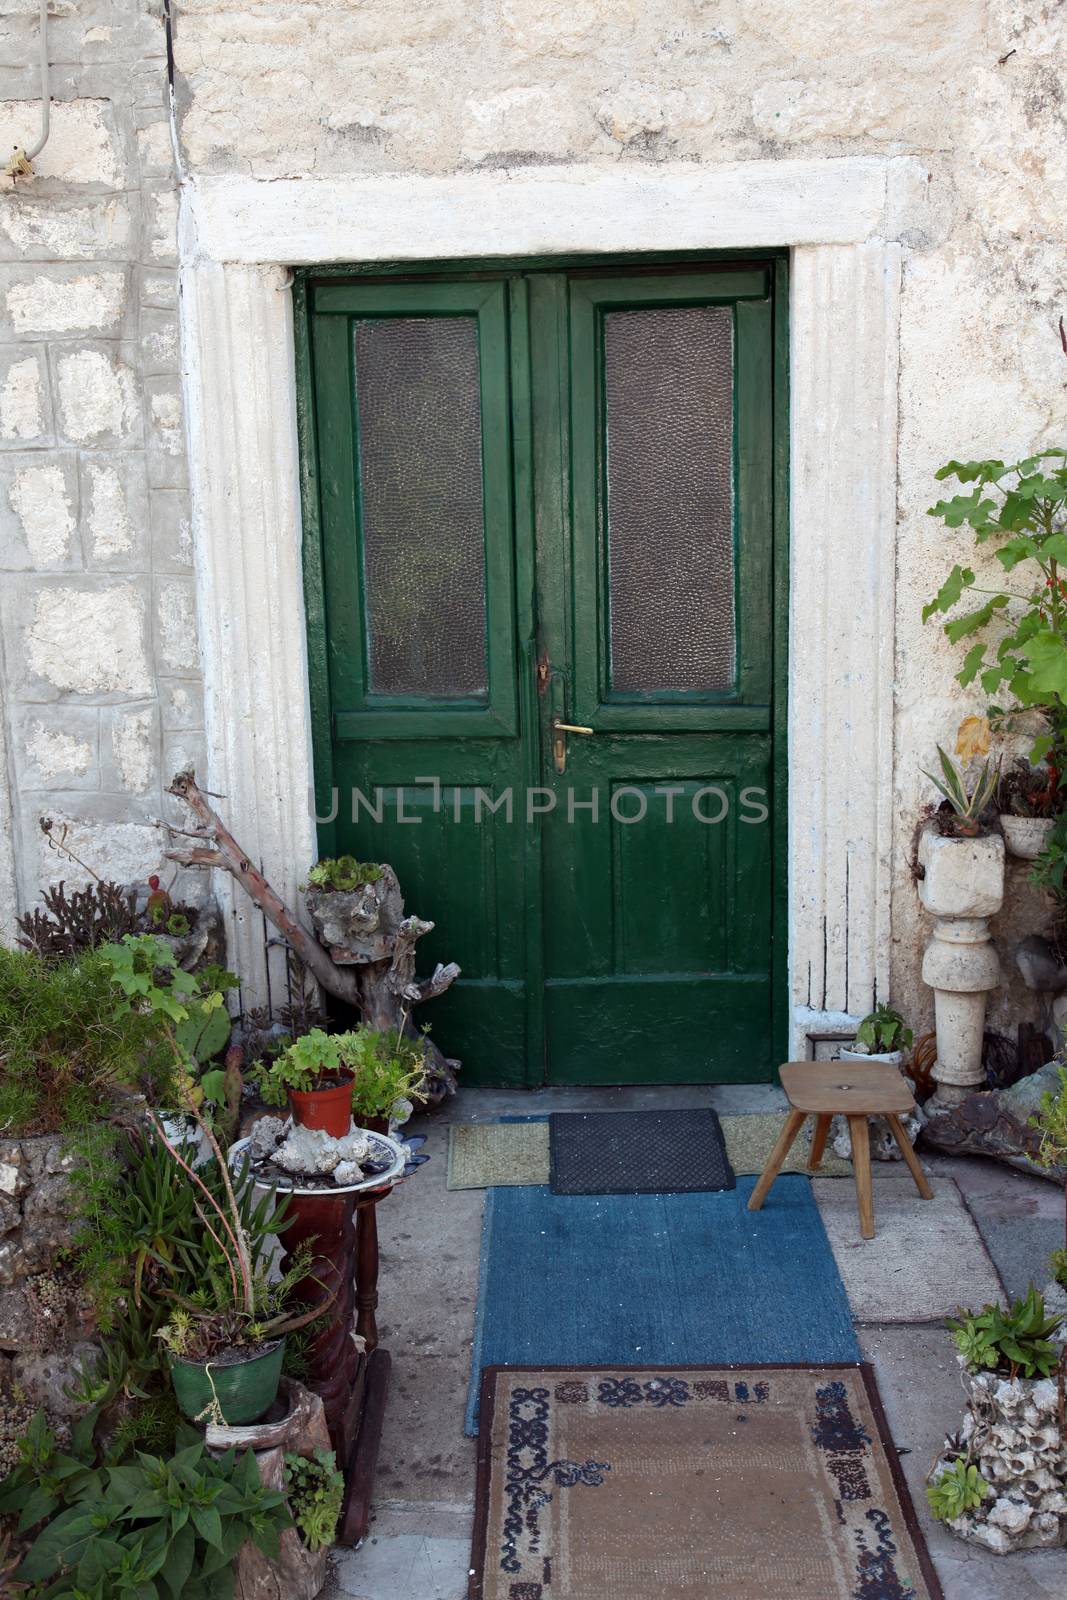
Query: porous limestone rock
{"points": [[310, 1152], [1012, 1433]]}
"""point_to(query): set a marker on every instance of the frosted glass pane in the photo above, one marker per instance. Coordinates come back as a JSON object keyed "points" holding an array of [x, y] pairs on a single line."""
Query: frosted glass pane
{"points": [[418, 400], [669, 439]]}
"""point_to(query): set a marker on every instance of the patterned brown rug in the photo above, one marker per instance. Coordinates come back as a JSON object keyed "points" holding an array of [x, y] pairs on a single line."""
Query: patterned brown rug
{"points": [[711, 1483]]}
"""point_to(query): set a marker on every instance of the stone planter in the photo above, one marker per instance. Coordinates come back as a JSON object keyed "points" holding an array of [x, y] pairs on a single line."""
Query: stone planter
{"points": [[1026, 837], [1012, 1433], [962, 887]]}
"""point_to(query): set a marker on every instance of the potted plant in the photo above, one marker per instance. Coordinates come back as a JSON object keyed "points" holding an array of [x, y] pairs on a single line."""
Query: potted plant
{"points": [[883, 1035], [997, 1482], [225, 1341], [390, 1076], [327, 1078], [313, 1078], [1028, 800], [960, 873]]}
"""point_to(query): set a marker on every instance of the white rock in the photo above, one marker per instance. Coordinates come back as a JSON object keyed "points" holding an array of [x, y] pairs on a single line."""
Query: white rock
{"points": [[348, 1172], [266, 1134], [312, 1153]]}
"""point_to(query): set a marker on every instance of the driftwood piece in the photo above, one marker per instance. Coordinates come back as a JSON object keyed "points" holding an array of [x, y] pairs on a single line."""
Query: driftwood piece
{"points": [[298, 1573], [372, 970]]}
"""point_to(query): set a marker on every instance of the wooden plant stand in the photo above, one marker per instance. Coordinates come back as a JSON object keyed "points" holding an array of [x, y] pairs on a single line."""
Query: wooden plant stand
{"points": [[350, 1375]]}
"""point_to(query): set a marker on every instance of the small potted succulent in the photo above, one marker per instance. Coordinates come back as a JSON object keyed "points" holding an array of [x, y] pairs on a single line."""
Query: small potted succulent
{"points": [[883, 1035], [313, 1077], [1028, 799]]}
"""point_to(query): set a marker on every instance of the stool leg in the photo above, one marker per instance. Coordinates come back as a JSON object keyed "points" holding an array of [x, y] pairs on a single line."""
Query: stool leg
{"points": [[793, 1124], [910, 1157], [818, 1142], [861, 1163]]}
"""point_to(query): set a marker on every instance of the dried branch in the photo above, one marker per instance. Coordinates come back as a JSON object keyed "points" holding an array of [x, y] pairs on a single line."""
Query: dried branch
{"points": [[227, 856]]}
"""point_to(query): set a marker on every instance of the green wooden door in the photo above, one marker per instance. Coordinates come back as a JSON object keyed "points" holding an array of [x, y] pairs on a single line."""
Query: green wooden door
{"points": [[539, 497]]}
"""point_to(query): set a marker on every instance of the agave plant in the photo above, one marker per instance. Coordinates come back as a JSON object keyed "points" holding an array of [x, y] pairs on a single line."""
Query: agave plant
{"points": [[967, 803]]}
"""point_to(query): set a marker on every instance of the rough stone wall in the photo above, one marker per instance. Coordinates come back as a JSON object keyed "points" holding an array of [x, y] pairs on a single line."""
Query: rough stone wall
{"points": [[100, 672], [974, 88]]}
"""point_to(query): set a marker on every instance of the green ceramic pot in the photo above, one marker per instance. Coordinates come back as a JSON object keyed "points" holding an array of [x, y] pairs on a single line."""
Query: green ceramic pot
{"points": [[244, 1389]]}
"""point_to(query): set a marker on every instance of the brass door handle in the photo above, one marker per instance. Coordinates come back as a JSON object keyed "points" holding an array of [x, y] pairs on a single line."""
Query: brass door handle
{"points": [[559, 741]]}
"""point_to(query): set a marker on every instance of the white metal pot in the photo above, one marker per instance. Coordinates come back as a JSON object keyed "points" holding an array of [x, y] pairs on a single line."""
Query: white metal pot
{"points": [[894, 1057], [1026, 837]]}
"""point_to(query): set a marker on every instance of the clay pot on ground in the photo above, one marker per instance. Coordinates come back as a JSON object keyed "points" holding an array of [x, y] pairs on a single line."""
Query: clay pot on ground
{"points": [[328, 1107], [1026, 837], [962, 886]]}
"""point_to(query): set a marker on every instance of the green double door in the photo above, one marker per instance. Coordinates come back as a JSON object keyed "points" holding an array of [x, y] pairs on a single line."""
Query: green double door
{"points": [[539, 514]]}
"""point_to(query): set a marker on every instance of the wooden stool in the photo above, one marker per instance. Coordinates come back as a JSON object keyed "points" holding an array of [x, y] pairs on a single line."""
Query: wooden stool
{"points": [[853, 1089]]}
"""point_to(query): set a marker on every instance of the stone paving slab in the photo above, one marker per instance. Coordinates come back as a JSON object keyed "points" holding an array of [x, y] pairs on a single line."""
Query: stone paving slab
{"points": [[927, 1256]]}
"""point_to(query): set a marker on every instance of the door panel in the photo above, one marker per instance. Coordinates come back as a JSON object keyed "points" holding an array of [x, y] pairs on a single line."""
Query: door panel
{"points": [[658, 930], [413, 406], [546, 497]]}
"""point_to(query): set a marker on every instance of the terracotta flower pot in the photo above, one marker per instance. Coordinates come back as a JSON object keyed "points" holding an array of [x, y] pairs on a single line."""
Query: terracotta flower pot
{"points": [[329, 1109], [243, 1388]]}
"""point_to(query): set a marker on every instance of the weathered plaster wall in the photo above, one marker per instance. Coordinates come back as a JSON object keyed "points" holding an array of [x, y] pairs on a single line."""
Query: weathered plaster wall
{"points": [[974, 88], [100, 673]]}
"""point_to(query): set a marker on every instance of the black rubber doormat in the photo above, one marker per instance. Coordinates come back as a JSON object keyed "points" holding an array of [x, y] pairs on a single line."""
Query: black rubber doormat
{"points": [[637, 1152]]}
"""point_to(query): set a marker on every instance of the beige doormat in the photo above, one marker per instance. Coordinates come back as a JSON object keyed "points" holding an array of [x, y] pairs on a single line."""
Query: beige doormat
{"points": [[484, 1155], [926, 1259], [698, 1483]]}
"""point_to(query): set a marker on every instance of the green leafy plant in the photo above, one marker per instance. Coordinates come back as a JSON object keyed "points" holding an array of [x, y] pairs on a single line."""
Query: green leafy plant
{"points": [[64, 1053], [957, 1489], [389, 1069], [1021, 508], [1017, 1340], [1049, 870], [191, 1006], [968, 801], [310, 1062], [343, 873], [386, 1067], [146, 1528], [315, 1489], [884, 1030]]}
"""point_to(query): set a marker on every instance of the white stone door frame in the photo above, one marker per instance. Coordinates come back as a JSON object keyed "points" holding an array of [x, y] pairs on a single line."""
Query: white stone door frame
{"points": [[842, 221]]}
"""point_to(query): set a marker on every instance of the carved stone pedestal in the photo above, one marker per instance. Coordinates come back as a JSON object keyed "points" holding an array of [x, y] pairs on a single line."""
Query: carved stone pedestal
{"points": [[962, 887]]}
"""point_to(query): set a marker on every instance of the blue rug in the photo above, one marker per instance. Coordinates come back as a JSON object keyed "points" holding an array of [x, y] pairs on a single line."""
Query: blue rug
{"points": [[639, 1280]]}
